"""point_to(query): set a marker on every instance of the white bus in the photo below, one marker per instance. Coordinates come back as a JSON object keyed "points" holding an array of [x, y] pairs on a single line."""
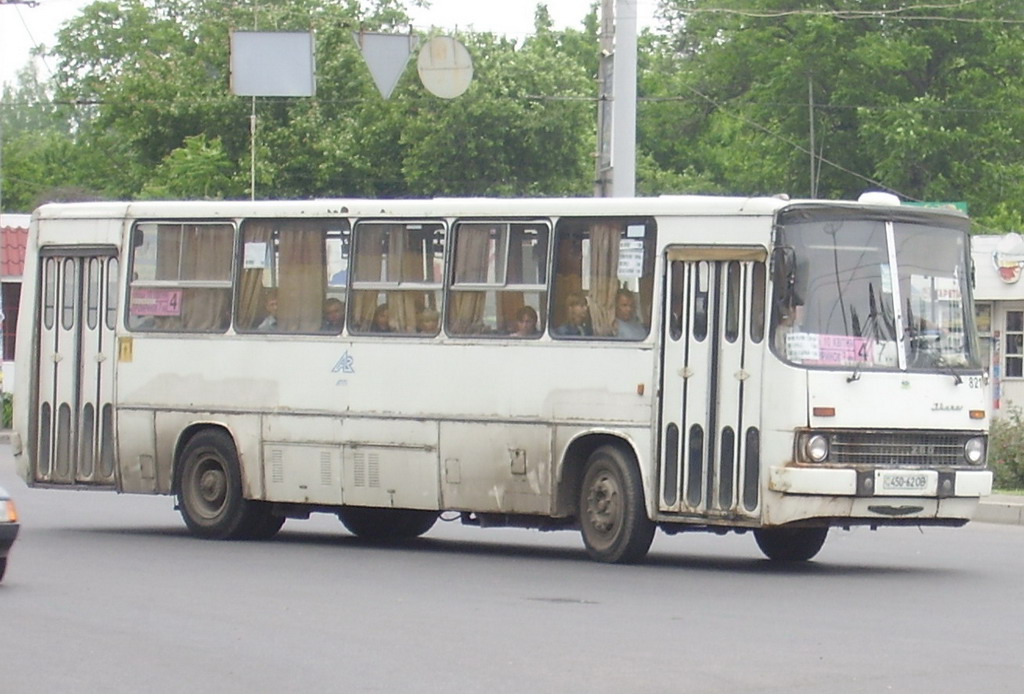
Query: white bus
{"points": [[610, 365]]}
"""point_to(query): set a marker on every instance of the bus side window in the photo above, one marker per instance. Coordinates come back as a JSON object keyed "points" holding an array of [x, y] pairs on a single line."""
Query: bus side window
{"points": [[397, 276], [609, 261], [499, 274], [293, 277], [181, 277]]}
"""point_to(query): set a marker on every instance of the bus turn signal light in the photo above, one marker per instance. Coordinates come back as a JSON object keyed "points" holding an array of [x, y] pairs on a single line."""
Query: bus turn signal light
{"points": [[824, 411]]}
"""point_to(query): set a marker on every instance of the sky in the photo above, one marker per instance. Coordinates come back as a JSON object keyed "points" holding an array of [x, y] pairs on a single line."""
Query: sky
{"points": [[23, 25]]}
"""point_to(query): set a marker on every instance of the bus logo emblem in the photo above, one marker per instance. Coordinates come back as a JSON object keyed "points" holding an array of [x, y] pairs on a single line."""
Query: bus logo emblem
{"points": [[344, 365]]}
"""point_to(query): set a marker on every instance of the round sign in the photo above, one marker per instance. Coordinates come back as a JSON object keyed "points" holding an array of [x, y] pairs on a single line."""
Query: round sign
{"points": [[445, 67]]}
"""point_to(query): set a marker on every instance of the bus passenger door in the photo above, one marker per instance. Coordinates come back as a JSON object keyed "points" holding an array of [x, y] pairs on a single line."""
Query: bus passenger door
{"points": [[713, 344], [75, 414]]}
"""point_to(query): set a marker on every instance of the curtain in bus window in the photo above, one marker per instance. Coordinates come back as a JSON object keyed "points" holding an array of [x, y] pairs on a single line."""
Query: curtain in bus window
{"points": [[168, 252], [407, 264], [206, 255], [251, 292], [604, 268], [369, 265], [302, 270], [471, 248], [509, 303]]}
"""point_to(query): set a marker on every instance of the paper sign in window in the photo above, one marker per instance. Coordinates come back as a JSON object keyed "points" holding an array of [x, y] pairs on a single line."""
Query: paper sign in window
{"points": [[631, 259], [156, 302], [255, 255]]}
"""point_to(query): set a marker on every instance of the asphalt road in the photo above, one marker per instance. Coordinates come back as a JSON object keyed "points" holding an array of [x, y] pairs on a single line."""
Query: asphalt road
{"points": [[108, 593]]}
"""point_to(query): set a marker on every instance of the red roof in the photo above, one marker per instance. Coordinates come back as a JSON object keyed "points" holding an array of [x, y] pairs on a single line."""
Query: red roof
{"points": [[12, 250]]}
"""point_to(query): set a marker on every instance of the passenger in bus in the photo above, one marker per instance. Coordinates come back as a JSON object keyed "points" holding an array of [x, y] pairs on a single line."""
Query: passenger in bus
{"points": [[269, 322], [427, 322], [577, 317], [334, 316], [525, 322], [627, 326], [381, 320]]}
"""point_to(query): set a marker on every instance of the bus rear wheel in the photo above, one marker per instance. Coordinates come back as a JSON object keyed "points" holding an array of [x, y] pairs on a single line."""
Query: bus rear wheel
{"points": [[790, 544], [386, 523], [210, 491], [612, 515]]}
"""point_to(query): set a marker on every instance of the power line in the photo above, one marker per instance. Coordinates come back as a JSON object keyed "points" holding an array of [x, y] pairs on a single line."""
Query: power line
{"points": [[797, 146]]}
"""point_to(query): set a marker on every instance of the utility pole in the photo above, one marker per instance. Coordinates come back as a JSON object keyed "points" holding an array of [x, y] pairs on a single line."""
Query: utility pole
{"points": [[616, 117], [810, 117]]}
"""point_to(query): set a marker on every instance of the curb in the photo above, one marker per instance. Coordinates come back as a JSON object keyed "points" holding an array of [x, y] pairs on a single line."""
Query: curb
{"points": [[1007, 510]]}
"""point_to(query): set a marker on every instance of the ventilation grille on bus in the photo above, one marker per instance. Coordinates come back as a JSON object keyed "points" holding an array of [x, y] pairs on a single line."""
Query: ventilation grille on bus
{"points": [[897, 448]]}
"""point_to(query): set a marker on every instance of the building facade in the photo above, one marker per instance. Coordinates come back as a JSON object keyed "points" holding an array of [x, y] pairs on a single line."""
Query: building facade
{"points": [[999, 306], [13, 236]]}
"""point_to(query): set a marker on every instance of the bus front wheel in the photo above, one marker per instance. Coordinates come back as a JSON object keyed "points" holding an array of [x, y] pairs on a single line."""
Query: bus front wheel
{"points": [[790, 544], [613, 517], [210, 492]]}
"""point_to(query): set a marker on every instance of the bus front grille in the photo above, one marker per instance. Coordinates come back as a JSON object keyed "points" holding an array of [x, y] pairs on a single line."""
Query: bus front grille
{"points": [[883, 448]]}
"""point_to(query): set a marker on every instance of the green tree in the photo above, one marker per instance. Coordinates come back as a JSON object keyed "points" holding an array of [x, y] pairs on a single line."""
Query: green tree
{"points": [[198, 170], [920, 100], [522, 128], [149, 77], [38, 144]]}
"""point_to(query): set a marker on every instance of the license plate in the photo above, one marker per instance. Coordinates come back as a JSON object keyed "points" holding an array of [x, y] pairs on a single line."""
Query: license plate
{"points": [[906, 482]]}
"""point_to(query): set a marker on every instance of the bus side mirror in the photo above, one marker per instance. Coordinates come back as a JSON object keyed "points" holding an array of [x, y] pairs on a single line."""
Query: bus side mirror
{"points": [[784, 278]]}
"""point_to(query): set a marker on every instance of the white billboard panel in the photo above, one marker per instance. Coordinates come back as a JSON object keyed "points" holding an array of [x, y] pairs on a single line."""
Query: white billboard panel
{"points": [[272, 63]]}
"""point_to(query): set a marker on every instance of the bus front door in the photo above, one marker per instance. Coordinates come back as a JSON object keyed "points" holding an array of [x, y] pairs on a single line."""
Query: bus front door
{"points": [[713, 344], [74, 437]]}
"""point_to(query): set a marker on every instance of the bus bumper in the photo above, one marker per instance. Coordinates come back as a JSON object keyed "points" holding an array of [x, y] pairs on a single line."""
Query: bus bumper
{"points": [[880, 482]]}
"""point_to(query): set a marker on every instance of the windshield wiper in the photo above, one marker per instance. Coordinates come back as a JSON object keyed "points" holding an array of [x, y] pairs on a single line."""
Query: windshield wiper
{"points": [[855, 376], [940, 361]]}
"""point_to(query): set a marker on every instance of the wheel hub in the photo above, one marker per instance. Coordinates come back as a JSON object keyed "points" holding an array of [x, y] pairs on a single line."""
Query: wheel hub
{"points": [[212, 486], [603, 506]]}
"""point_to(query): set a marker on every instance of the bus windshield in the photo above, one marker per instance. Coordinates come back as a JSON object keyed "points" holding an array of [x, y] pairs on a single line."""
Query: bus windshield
{"points": [[873, 294]]}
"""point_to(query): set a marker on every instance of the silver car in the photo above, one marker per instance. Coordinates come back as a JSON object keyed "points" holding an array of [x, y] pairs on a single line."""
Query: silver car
{"points": [[8, 528]]}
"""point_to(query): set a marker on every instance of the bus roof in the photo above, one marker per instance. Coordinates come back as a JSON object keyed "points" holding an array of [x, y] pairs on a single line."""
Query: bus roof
{"points": [[688, 205]]}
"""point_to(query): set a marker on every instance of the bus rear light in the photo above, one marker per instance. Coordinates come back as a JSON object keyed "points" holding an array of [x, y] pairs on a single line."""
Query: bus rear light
{"points": [[977, 414], [824, 411]]}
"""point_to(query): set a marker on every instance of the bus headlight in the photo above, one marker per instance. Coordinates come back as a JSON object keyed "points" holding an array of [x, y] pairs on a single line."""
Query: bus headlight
{"points": [[974, 450], [816, 448]]}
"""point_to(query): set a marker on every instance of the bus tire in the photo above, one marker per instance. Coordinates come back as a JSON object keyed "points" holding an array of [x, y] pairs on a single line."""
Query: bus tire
{"points": [[790, 544], [3, 567], [386, 523], [263, 524], [210, 489], [612, 515]]}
